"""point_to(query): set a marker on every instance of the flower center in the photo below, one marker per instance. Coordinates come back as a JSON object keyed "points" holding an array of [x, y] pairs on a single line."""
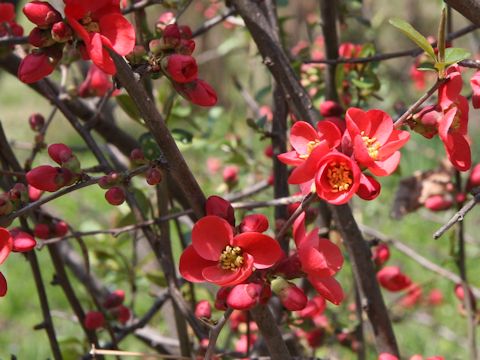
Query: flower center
{"points": [[310, 146], [372, 145], [231, 258], [89, 24], [339, 176]]}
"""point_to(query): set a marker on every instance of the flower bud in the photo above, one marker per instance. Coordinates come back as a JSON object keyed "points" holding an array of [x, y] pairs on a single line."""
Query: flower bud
{"points": [[59, 153], [230, 174], [438, 203], [61, 32], [246, 296], [164, 19], [197, 92], [254, 223], [290, 268], [291, 296], [110, 180], [22, 241], [459, 293], [392, 279], [185, 32], [218, 206], [34, 67], [474, 178], [42, 231], [435, 297], [387, 356], [221, 298], [18, 193], [36, 122], [186, 47], [331, 108], [61, 228], [412, 297], [137, 54], [94, 320], [369, 188], [122, 313], [156, 46], [381, 254], [426, 120], [114, 299], [3, 285], [154, 176], [315, 337], [40, 38], [180, 68], [203, 309], [268, 152], [49, 178], [171, 36], [137, 157], [41, 13], [115, 196]]}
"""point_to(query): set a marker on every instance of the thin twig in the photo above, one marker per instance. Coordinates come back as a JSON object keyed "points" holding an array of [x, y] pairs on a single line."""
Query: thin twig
{"points": [[215, 332]]}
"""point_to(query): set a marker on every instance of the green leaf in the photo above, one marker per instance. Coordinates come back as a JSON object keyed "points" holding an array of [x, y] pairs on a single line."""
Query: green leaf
{"points": [[184, 136], [414, 35], [426, 66], [454, 55], [149, 146], [127, 104]]}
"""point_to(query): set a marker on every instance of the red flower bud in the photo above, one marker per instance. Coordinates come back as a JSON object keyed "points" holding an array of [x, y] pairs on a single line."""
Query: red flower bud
{"points": [[203, 309], [171, 36], [60, 153], [34, 67], [94, 320], [474, 178], [61, 32], [290, 268], [180, 68], [185, 32], [381, 254], [255, 223], [230, 174], [114, 299], [22, 241], [438, 203], [6, 244], [49, 178], [42, 231], [61, 228], [115, 195], [137, 157], [40, 38], [197, 92], [18, 193], [33, 193], [392, 279], [331, 108], [36, 121], [154, 176], [186, 47], [164, 19], [41, 13], [122, 313], [221, 298], [315, 337], [246, 296], [218, 206], [110, 180], [291, 296], [426, 120], [3, 285], [369, 188]]}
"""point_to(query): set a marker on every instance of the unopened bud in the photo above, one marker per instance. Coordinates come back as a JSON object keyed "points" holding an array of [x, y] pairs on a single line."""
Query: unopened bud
{"points": [[36, 121], [61, 32], [115, 196]]}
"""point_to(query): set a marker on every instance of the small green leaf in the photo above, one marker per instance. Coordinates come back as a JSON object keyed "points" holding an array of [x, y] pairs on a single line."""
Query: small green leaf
{"points": [[454, 55], [184, 136], [149, 146], [426, 66], [127, 104], [413, 35]]}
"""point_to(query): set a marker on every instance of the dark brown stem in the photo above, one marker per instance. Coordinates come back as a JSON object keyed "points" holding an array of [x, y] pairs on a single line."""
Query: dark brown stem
{"points": [[328, 9], [362, 266], [468, 8], [215, 332]]}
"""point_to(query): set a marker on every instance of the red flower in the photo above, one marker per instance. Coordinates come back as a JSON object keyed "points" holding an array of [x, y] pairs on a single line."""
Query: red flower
{"points": [[392, 279], [6, 244], [219, 257], [197, 92], [180, 68], [218, 206], [381, 254], [412, 297], [246, 296], [97, 83], [94, 320], [310, 146], [330, 108], [375, 142], [337, 178], [100, 24], [203, 309], [3, 285]]}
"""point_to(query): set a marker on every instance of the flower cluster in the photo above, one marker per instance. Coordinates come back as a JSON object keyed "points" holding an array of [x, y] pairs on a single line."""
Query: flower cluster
{"points": [[449, 120], [331, 159], [15, 240], [250, 266], [8, 26], [171, 55], [95, 26]]}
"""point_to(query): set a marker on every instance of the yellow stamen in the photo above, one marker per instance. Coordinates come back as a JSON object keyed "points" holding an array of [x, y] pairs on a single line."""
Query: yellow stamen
{"points": [[339, 176], [231, 258], [310, 146], [372, 145]]}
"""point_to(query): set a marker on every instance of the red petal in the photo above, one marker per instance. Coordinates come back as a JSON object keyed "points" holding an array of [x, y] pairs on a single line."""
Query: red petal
{"points": [[254, 223], [222, 277], [301, 134], [329, 288], [119, 32], [381, 125], [307, 170], [6, 244], [191, 265], [385, 167], [3, 285], [460, 154], [263, 248], [299, 232], [369, 188], [329, 132], [210, 235], [290, 158], [320, 257], [99, 55]]}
